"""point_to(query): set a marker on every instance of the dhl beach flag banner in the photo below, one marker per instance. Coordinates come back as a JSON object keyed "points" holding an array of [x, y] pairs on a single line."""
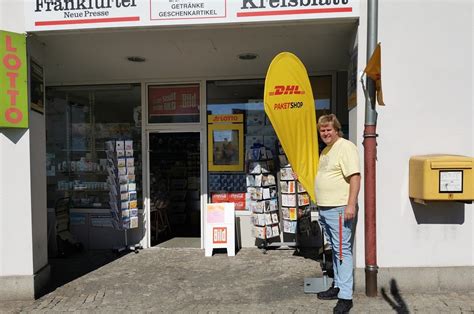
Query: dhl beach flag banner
{"points": [[289, 104]]}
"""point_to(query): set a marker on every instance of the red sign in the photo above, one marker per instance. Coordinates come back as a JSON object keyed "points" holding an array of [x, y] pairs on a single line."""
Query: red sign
{"points": [[219, 235], [173, 100], [219, 197], [231, 197], [286, 90]]}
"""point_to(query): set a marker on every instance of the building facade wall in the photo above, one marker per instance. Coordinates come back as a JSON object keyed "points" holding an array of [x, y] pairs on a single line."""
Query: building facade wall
{"points": [[15, 191], [24, 267], [427, 85], [38, 190], [427, 60]]}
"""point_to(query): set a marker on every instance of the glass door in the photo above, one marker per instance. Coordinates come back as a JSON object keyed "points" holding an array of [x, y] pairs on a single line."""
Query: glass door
{"points": [[175, 188]]}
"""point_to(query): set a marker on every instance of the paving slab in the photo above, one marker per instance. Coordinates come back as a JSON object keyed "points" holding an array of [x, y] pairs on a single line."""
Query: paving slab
{"points": [[183, 280]]}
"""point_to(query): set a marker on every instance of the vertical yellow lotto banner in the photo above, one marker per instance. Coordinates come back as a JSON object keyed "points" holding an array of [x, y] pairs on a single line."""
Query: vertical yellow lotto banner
{"points": [[13, 81], [289, 104]]}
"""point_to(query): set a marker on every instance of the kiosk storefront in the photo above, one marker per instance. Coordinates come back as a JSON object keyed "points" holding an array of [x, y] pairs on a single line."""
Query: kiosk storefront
{"points": [[156, 74], [86, 52]]}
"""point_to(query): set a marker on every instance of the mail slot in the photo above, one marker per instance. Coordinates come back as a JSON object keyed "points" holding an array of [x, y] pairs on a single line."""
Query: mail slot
{"points": [[441, 178]]}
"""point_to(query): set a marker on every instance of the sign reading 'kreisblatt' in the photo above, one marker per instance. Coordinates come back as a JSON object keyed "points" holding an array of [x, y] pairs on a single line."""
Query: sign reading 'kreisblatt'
{"points": [[80, 14]]}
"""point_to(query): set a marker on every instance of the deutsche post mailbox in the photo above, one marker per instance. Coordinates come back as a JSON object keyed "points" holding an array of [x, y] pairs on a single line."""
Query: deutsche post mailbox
{"points": [[441, 178]]}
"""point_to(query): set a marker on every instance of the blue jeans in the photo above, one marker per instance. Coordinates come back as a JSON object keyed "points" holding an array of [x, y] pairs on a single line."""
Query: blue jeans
{"points": [[343, 269]]}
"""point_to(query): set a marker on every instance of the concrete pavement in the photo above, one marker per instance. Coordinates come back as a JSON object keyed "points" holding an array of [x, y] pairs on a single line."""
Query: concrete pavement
{"points": [[184, 280]]}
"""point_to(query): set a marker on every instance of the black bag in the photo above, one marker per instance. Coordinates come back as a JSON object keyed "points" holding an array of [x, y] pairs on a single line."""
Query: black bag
{"points": [[310, 234]]}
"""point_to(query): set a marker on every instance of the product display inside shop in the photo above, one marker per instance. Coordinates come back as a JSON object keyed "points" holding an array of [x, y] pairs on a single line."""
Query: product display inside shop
{"points": [[268, 190], [80, 119]]}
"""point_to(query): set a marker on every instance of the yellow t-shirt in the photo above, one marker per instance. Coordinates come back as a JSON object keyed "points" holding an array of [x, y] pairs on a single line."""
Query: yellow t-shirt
{"points": [[336, 164]]}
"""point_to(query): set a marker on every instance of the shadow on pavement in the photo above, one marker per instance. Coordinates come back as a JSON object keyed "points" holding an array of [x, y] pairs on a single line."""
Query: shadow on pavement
{"points": [[397, 303], [67, 269], [309, 252], [315, 254]]}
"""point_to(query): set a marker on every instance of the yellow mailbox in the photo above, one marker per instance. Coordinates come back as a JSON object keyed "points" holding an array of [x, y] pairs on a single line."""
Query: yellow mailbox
{"points": [[441, 178]]}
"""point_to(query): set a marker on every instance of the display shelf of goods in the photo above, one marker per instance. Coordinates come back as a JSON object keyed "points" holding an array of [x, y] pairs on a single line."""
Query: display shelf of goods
{"points": [[289, 209], [177, 175], [294, 197], [227, 182], [122, 186], [178, 192], [262, 193], [193, 164]]}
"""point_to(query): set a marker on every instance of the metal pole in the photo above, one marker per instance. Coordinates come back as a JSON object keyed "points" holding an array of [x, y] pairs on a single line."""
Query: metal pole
{"points": [[370, 155], [372, 20]]}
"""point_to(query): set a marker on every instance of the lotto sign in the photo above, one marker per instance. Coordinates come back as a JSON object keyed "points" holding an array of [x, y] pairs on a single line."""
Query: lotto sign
{"points": [[13, 81], [219, 229], [219, 235]]}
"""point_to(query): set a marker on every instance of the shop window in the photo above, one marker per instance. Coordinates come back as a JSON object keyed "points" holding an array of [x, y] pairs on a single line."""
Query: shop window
{"points": [[79, 120], [173, 103], [322, 92], [230, 100]]}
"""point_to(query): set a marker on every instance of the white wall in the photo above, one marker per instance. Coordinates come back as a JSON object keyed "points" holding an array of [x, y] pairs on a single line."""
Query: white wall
{"points": [[38, 172], [38, 190], [427, 66], [16, 252], [12, 17], [15, 204]]}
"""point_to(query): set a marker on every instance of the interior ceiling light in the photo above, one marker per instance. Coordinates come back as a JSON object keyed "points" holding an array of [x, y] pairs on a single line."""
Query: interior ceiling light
{"points": [[248, 56], [136, 59]]}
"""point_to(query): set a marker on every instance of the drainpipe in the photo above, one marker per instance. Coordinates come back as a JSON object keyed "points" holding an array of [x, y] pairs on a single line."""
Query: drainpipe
{"points": [[370, 155]]}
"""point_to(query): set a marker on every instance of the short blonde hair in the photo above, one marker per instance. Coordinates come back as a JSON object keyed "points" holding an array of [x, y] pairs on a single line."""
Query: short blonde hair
{"points": [[330, 119]]}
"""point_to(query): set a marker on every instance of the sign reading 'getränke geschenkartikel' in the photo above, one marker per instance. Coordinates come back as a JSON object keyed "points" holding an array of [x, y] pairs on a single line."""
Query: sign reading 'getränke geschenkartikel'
{"points": [[13, 81]]}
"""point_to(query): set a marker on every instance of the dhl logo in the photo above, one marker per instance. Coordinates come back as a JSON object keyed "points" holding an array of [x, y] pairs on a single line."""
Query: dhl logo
{"points": [[287, 90]]}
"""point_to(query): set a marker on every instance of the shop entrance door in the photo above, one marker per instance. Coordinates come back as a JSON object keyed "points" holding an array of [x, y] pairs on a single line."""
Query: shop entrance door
{"points": [[175, 189]]}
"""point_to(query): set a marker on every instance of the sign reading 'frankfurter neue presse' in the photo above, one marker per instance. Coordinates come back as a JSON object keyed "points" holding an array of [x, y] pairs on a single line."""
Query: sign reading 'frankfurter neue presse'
{"points": [[13, 81]]}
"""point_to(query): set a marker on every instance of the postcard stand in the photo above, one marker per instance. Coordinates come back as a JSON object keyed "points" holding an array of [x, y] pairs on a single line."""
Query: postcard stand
{"points": [[263, 194], [276, 219], [122, 189]]}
